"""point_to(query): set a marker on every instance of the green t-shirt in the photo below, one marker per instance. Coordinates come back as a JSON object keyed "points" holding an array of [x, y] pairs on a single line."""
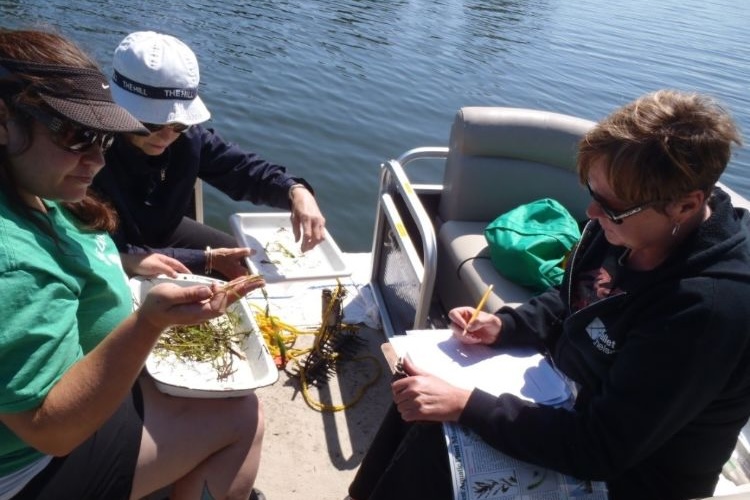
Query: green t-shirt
{"points": [[60, 299]]}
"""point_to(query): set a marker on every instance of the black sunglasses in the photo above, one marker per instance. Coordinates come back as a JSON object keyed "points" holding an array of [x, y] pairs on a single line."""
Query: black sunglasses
{"points": [[614, 215], [68, 135], [177, 128]]}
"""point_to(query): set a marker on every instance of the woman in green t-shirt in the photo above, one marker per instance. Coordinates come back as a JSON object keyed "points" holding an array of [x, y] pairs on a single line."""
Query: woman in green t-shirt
{"points": [[77, 419]]}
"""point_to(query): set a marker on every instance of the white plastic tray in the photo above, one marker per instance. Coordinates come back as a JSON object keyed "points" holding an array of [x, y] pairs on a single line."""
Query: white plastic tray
{"points": [[186, 378], [277, 256]]}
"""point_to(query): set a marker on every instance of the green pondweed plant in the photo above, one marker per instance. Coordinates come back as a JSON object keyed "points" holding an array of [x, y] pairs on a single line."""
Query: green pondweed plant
{"points": [[215, 341]]}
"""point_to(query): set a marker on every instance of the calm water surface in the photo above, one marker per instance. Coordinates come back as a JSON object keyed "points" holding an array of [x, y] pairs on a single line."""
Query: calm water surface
{"points": [[333, 88]]}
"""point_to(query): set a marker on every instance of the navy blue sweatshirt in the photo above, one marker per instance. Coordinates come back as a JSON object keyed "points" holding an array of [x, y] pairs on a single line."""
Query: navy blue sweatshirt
{"points": [[663, 369], [152, 194]]}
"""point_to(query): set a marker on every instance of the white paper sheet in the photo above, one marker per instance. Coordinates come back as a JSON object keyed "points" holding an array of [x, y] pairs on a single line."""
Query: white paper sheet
{"points": [[526, 374]]}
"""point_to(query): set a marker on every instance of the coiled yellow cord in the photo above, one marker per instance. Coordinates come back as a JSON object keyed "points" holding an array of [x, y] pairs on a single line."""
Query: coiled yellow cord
{"points": [[320, 406], [280, 338]]}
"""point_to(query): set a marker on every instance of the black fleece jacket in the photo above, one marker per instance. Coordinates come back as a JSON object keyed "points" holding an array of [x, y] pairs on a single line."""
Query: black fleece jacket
{"points": [[663, 371], [152, 194]]}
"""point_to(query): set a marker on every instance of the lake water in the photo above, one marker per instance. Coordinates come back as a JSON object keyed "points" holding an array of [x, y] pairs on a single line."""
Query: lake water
{"points": [[332, 88]]}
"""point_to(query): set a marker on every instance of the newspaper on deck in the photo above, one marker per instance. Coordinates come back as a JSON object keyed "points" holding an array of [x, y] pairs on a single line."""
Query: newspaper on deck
{"points": [[479, 471]]}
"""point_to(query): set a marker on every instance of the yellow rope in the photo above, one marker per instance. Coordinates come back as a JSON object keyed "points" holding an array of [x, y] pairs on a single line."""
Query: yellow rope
{"points": [[280, 338], [320, 406]]}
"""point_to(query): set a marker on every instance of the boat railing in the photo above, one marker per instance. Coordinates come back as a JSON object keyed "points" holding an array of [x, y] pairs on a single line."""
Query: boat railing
{"points": [[404, 250], [198, 197]]}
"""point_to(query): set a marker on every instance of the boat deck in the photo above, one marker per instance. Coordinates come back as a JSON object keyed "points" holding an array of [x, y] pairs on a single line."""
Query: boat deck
{"points": [[309, 454]]}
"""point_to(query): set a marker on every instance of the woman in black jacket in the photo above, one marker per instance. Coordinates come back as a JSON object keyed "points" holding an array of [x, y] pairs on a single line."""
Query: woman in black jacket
{"points": [[651, 326], [149, 180]]}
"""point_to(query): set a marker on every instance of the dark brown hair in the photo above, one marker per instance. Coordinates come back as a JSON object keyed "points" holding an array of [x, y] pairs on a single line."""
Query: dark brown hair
{"points": [[20, 89]]}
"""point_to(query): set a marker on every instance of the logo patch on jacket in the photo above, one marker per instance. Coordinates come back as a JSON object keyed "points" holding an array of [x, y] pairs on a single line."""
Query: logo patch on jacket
{"points": [[599, 338]]}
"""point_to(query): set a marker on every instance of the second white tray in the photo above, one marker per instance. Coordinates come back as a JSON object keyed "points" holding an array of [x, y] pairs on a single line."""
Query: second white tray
{"points": [[277, 256]]}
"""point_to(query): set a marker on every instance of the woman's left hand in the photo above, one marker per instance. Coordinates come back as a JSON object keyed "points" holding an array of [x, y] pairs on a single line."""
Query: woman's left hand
{"points": [[308, 222], [423, 396], [152, 264]]}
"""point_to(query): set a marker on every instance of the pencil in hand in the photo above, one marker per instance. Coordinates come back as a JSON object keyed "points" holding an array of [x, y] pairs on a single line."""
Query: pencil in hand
{"points": [[478, 308]]}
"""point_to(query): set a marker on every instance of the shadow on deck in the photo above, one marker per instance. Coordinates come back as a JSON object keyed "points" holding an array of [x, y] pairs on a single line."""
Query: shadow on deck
{"points": [[313, 454]]}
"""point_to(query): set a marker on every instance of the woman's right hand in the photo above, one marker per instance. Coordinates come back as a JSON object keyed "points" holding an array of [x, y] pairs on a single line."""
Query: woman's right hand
{"points": [[167, 304], [485, 329]]}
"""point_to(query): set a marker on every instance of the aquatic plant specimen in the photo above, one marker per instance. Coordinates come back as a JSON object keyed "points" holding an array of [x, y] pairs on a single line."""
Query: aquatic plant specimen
{"points": [[229, 291], [280, 247], [334, 343], [334, 340], [216, 341], [281, 252]]}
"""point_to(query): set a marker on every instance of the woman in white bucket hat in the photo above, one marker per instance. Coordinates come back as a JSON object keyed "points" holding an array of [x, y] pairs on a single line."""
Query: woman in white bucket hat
{"points": [[150, 179]]}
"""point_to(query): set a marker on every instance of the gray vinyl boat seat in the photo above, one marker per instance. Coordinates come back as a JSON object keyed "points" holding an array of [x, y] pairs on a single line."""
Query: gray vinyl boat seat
{"points": [[500, 158]]}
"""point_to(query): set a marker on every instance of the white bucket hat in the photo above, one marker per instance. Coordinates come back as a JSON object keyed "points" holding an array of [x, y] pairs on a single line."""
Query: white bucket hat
{"points": [[155, 77]]}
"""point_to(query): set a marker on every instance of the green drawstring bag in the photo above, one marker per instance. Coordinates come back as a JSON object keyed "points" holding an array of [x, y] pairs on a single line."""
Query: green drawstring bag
{"points": [[530, 243]]}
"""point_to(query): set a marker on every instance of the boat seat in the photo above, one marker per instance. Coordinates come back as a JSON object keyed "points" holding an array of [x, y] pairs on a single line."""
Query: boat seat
{"points": [[465, 250], [499, 158]]}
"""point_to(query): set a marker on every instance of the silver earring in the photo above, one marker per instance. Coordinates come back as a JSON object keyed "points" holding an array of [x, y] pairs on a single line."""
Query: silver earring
{"points": [[675, 228]]}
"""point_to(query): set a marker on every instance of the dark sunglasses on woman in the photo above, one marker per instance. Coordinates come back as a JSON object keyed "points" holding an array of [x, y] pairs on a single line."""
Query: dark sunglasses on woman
{"points": [[177, 128], [68, 135], [617, 216]]}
